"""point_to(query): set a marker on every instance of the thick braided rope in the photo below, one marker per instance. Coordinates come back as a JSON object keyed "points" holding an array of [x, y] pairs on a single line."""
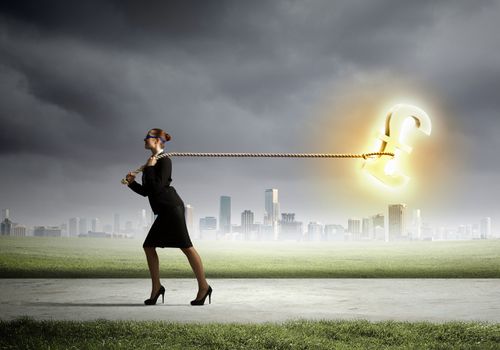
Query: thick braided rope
{"points": [[277, 155], [274, 155]]}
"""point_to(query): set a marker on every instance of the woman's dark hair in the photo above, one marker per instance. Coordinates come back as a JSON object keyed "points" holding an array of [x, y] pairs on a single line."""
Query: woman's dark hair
{"points": [[162, 134]]}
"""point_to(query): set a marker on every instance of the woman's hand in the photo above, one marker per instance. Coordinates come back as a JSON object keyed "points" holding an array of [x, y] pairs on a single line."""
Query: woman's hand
{"points": [[130, 178], [151, 161]]}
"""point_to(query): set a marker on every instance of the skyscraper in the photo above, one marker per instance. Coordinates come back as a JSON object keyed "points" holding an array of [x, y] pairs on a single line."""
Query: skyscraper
{"points": [[354, 228], [314, 231], [142, 219], [225, 215], [485, 228], [416, 225], [272, 210], [73, 227], [116, 223], [96, 225], [6, 227], [189, 218], [397, 224], [378, 224], [366, 228], [247, 223], [5, 214], [82, 226]]}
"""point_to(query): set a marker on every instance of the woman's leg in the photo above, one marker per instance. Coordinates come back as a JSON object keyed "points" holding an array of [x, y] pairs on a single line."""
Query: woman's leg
{"points": [[197, 266], [154, 269]]}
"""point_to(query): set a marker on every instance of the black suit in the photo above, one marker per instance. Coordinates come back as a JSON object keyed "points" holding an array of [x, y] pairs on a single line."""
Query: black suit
{"points": [[169, 228], [156, 185]]}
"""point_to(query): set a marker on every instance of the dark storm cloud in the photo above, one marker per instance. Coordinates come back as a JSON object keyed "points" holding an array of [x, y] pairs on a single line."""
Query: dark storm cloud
{"points": [[86, 79]]}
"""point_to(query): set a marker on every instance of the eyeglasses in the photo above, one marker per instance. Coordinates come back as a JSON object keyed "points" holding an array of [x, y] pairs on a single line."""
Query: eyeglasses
{"points": [[153, 137]]}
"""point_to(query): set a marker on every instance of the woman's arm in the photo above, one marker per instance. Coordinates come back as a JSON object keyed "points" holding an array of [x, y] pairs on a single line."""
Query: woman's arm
{"points": [[138, 188]]}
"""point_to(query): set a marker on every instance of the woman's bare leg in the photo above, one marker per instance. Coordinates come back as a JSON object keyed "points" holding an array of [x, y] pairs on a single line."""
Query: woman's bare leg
{"points": [[154, 269], [197, 266]]}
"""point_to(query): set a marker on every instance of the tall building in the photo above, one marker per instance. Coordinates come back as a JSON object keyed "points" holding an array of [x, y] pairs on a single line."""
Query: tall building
{"points": [[6, 226], [96, 225], [485, 228], [416, 225], [225, 215], [397, 224], [142, 220], [289, 228], [5, 214], [189, 215], [314, 231], [272, 210], [378, 225], [82, 225], [73, 227], [247, 223], [208, 228], [354, 228], [366, 228], [116, 223]]}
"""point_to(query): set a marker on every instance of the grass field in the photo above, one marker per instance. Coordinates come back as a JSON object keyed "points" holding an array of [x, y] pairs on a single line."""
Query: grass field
{"points": [[26, 333], [40, 257]]}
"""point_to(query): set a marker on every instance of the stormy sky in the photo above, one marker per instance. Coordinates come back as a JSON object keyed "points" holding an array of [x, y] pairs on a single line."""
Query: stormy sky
{"points": [[81, 83]]}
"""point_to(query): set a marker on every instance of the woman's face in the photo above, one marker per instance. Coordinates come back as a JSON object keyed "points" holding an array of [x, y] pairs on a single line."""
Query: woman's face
{"points": [[151, 142]]}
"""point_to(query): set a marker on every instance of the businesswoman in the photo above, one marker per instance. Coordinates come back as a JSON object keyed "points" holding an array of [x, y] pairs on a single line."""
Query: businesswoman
{"points": [[169, 228]]}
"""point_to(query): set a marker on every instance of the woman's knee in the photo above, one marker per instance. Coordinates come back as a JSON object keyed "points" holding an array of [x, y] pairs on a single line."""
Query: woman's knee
{"points": [[188, 250], [149, 249]]}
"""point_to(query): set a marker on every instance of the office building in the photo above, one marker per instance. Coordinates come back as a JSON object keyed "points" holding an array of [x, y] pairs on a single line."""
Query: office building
{"points": [[485, 228], [396, 222], [272, 211], [225, 215], [73, 227]]}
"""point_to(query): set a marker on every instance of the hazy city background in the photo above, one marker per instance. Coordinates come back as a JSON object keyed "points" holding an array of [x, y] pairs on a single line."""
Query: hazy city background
{"points": [[398, 223], [82, 82]]}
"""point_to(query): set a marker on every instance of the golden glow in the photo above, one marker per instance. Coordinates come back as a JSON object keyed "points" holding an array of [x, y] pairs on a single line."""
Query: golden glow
{"points": [[345, 122], [393, 139]]}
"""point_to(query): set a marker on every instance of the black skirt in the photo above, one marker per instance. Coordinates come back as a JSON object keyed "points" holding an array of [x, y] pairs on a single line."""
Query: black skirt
{"points": [[169, 230]]}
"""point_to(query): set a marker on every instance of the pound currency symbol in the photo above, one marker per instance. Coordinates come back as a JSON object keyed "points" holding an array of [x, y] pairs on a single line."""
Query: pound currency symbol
{"points": [[392, 141]]}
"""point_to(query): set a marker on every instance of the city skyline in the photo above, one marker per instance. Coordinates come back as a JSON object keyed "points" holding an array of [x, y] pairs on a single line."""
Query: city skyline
{"points": [[397, 222]]}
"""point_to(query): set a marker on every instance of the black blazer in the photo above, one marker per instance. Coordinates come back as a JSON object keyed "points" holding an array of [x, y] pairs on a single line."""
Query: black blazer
{"points": [[156, 185]]}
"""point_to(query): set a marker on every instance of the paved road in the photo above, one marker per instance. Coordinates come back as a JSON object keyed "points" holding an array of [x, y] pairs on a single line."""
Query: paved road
{"points": [[255, 300]]}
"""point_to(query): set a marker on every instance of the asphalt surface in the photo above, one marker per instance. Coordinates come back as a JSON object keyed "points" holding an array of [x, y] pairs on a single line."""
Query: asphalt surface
{"points": [[254, 300]]}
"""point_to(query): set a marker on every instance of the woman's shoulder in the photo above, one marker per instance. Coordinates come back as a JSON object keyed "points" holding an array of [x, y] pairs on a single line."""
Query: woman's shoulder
{"points": [[164, 159]]}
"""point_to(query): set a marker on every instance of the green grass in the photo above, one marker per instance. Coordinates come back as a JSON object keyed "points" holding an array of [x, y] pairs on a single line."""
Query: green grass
{"points": [[26, 333], [40, 257]]}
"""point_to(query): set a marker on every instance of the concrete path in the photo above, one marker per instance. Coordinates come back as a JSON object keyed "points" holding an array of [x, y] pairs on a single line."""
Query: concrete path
{"points": [[255, 300]]}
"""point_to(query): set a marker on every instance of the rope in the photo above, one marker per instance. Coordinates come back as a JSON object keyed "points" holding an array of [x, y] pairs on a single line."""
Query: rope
{"points": [[277, 155], [273, 155]]}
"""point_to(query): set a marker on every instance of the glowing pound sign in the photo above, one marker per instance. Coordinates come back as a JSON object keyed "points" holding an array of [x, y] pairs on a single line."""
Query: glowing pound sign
{"points": [[383, 167]]}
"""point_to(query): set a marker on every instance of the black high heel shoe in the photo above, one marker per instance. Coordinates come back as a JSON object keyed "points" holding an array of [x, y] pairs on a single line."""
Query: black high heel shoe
{"points": [[202, 300], [153, 300]]}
